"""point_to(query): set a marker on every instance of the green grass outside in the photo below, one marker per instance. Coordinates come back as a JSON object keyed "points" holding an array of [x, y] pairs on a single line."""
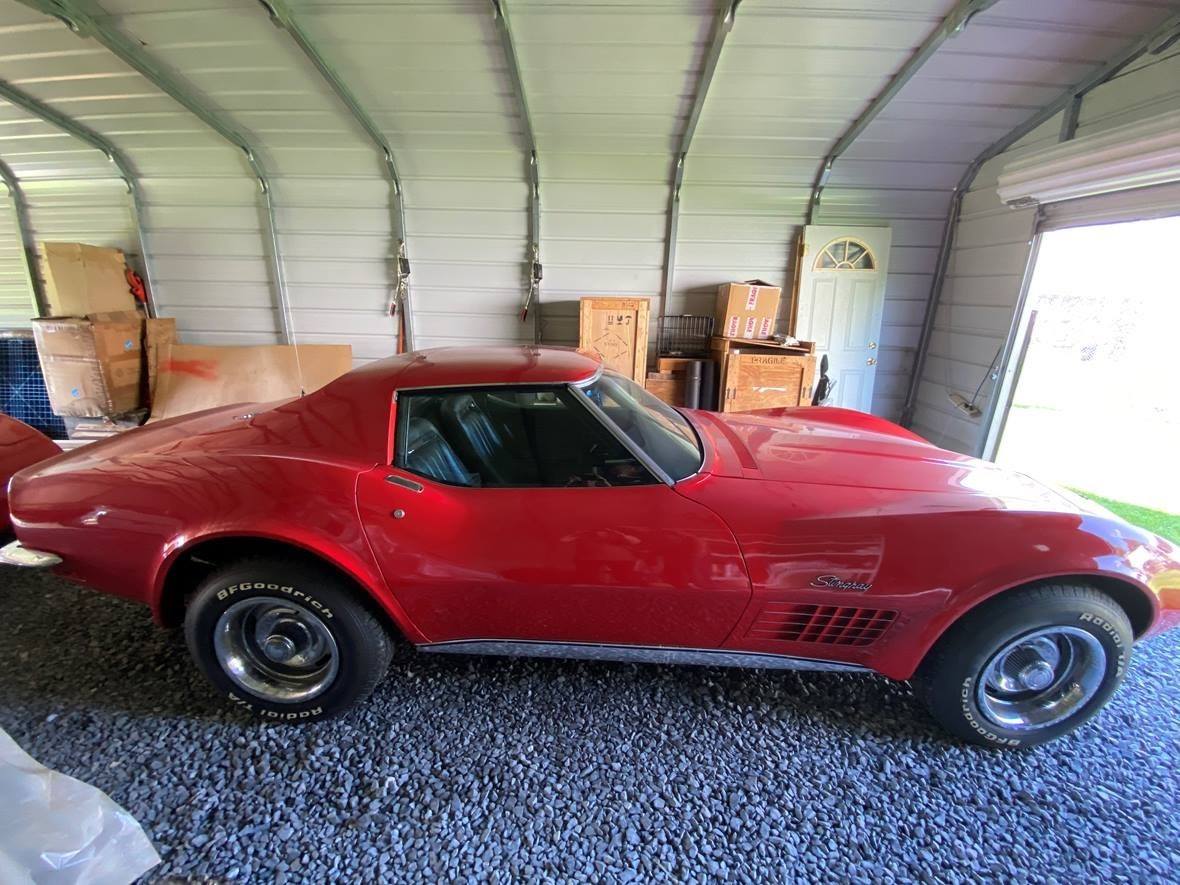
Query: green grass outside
{"points": [[1166, 525]]}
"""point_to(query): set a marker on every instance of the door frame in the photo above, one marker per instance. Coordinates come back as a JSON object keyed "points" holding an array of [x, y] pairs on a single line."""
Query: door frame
{"points": [[1011, 361], [802, 267]]}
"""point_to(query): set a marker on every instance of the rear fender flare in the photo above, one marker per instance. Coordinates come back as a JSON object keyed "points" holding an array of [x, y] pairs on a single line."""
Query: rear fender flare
{"points": [[364, 574]]}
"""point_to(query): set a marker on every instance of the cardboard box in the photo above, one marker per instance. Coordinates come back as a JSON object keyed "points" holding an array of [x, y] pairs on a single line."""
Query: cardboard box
{"points": [[81, 280], [616, 330], [92, 367], [747, 310], [192, 377]]}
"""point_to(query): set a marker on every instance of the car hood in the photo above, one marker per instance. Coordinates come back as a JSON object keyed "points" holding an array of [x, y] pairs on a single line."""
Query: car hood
{"points": [[840, 447]]}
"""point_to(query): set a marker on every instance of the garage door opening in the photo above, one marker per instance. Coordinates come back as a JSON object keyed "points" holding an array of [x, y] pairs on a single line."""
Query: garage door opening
{"points": [[1096, 404]]}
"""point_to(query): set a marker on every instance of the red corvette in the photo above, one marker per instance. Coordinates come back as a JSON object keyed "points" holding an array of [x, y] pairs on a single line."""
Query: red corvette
{"points": [[20, 446], [520, 500]]}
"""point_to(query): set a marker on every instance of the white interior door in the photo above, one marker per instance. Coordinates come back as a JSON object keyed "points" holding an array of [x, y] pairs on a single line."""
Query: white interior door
{"points": [[841, 300]]}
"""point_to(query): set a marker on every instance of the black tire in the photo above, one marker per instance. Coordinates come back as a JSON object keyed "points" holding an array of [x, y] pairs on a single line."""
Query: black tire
{"points": [[310, 607], [961, 688]]}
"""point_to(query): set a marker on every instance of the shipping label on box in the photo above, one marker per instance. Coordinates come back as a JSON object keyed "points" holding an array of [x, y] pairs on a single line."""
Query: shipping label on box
{"points": [[747, 310]]}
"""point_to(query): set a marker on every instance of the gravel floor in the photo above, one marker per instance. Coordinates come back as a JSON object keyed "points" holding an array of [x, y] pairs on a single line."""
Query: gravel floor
{"points": [[496, 769]]}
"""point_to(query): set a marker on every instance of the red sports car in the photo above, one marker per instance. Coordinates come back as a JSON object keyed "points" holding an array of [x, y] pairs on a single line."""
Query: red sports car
{"points": [[20, 446], [522, 501]]}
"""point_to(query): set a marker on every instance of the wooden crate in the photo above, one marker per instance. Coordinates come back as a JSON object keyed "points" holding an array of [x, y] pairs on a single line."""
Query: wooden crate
{"points": [[616, 329], [666, 386], [757, 376], [674, 363]]}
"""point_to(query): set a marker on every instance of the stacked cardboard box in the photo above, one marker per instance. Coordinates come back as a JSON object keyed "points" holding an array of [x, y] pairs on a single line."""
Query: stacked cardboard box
{"points": [[748, 367], [91, 347], [747, 310], [105, 364]]}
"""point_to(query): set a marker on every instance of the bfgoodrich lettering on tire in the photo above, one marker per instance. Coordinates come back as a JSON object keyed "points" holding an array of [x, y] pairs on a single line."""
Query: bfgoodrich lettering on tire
{"points": [[1027, 667], [286, 640]]}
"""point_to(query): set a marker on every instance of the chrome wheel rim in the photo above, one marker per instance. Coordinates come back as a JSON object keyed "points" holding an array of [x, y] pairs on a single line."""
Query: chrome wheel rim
{"points": [[1041, 678], [276, 649]]}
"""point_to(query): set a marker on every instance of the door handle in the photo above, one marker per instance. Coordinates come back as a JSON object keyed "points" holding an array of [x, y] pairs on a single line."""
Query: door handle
{"points": [[872, 345], [871, 361], [396, 480]]}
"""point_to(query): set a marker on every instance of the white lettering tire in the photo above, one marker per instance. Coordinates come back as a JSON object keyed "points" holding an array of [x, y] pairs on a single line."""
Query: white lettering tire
{"points": [[285, 639], [1028, 666]]}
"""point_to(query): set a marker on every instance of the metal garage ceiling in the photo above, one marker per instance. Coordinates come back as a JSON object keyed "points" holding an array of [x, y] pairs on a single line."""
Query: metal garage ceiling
{"points": [[609, 85]]}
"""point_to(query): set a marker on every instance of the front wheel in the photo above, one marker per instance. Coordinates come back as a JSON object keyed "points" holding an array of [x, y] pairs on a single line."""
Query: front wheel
{"points": [[1027, 667], [285, 640]]}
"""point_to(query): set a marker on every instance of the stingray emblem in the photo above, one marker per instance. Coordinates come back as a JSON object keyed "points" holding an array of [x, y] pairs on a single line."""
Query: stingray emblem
{"points": [[833, 582]]}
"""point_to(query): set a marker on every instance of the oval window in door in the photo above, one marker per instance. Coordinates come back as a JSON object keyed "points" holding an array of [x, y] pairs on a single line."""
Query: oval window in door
{"points": [[845, 253]]}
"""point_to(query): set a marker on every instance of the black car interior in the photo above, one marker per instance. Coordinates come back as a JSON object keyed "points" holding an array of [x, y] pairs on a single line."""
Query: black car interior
{"points": [[510, 437]]}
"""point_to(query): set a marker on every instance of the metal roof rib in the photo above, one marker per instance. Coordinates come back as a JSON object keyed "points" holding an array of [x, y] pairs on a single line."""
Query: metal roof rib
{"points": [[951, 25], [285, 19], [533, 294], [56, 118], [28, 250], [87, 18], [1159, 37], [722, 26]]}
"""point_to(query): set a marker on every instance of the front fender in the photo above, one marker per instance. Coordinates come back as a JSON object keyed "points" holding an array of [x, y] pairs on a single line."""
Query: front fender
{"points": [[1105, 552]]}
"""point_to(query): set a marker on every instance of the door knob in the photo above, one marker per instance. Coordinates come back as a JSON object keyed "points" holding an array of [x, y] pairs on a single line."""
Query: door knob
{"points": [[870, 362], [872, 345]]}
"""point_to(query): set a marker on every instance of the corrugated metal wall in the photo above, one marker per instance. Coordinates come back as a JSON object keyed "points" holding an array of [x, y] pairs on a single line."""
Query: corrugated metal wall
{"points": [[772, 114], [610, 87], [433, 77], [991, 252], [609, 84], [17, 303]]}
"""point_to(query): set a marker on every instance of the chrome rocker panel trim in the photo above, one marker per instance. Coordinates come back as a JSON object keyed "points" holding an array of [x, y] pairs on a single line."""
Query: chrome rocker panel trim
{"points": [[15, 553], [641, 654]]}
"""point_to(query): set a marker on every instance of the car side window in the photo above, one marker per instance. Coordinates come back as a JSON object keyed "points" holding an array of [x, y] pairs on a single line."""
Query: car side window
{"points": [[505, 437]]}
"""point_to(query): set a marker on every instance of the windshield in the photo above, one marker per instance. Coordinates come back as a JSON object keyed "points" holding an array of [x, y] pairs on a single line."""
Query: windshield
{"points": [[662, 432]]}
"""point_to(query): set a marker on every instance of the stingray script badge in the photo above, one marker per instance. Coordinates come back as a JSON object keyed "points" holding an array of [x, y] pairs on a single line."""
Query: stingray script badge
{"points": [[834, 582]]}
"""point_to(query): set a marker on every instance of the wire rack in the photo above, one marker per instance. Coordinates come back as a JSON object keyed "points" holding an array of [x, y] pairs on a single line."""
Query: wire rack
{"points": [[22, 386], [685, 335]]}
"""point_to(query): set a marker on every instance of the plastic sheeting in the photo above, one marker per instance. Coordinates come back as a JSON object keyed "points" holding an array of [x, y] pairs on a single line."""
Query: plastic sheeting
{"points": [[55, 830]]}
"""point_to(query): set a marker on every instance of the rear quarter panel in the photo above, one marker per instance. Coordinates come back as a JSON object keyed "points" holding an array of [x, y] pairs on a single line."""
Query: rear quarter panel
{"points": [[119, 524]]}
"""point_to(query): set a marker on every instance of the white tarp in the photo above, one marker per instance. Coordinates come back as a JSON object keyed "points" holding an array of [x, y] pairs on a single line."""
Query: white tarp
{"points": [[55, 830]]}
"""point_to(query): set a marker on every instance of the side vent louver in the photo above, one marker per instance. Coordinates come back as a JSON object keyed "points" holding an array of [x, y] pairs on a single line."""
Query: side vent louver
{"points": [[823, 624]]}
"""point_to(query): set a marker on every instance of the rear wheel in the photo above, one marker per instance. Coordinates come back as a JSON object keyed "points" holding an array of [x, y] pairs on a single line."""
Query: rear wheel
{"points": [[1027, 667], [286, 640]]}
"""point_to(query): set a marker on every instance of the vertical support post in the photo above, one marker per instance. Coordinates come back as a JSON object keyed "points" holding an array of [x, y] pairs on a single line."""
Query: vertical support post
{"points": [[24, 231], [283, 18], [1069, 119], [722, 25], [532, 298], [126, 171], [940, 269]]}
